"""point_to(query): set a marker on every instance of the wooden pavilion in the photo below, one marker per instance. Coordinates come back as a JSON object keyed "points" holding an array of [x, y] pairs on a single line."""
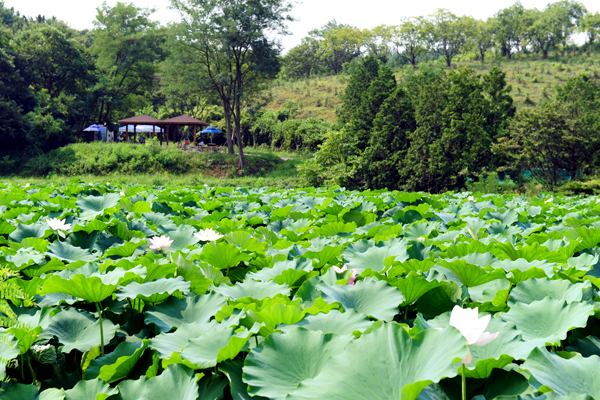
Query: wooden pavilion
{"points": [[182, 120], [140, 120]]}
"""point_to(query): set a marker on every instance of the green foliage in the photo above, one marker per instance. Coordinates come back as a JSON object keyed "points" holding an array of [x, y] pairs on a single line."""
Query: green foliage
{"points": [[109, 158]]}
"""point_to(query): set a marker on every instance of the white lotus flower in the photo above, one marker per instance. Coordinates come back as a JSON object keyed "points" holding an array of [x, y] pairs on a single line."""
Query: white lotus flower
{"points": [[27, 185], [208, 235], [471, 198], [122, 193], [550, 200], [467, 321], [340, 270], [59, 226], [160, 242]]}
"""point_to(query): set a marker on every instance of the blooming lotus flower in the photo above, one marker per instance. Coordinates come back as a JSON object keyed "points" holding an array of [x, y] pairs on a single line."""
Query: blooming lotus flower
{"points": [[340, 270], [208, 235], [550, 200], [160, 242], [471, 198], [27, 185], [122, 193], [472, 327], [352, 279], [59, 226]]}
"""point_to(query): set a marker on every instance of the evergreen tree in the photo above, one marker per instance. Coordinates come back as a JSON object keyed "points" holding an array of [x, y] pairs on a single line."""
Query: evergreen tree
{"points": [[383, 159], [358, 84]]}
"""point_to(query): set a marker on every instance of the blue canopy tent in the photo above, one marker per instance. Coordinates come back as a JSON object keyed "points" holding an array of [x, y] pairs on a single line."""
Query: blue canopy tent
{"points": [[97, 129], [211, 129]]}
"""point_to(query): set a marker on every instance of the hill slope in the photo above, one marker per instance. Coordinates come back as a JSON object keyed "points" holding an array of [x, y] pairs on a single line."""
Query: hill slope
{"points": [[533, 81]]}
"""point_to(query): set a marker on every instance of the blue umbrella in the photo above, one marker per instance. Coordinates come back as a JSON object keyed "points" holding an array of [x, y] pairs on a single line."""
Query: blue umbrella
{"points": [[210, 129], [94, 128]]}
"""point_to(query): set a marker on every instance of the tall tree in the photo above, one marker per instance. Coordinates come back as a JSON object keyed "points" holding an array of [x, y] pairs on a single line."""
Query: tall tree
{"points": [[230, 38], [482, 36], [410, 37], [128, 46], [339, 44], [590, 25], [447, 33], [510, 28]]}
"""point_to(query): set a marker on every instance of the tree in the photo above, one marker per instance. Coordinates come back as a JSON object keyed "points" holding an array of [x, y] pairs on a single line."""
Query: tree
{"points": [[590, 25], [539, 142], [128, 47], [339, 44], [303, 60], [383, 159], [483, 36], [447, 34], [234, 52], [451, 141], [377, 41], [358, 84], [510, 28], [552, 26], [410, 37]]}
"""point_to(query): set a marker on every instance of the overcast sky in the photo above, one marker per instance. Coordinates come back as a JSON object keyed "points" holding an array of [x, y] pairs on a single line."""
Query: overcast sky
{"points": [[310, 14]]}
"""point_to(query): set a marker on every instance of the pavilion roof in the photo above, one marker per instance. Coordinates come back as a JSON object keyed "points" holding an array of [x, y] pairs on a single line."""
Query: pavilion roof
{"points": [[184, 120], [141, 120]]}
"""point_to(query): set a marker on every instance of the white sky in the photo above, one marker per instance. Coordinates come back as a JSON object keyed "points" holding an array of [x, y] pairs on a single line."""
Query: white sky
{"points": [[310, 14]]}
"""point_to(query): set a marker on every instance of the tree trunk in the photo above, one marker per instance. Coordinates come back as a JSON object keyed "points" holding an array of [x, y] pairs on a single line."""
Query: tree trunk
{"points": [[228, 132], [482, 53], [238, 131], [448, 61]]}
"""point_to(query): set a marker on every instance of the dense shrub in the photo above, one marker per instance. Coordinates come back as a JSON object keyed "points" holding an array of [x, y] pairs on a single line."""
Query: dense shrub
{"points": [[289, 134], [128, 158]]}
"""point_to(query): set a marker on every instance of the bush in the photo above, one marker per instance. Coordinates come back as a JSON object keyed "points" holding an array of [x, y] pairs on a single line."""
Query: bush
{"points": [[127, 158]]}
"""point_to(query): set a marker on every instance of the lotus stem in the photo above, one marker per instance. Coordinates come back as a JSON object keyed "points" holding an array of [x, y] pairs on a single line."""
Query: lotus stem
{"points": [[464, 383], [31, 370], [22, 364], [101, 330]]}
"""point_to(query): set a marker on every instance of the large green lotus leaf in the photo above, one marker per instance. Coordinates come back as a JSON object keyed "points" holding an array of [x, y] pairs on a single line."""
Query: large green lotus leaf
{"points": [[78, 330], [20, 391], [589, 345], [439, 300], [535, 251], [126, 249], [92, 389], [374, 257], [413, 286], [537, 289], [203, 350], [175, 312], [84, 240], [25, 257], [576, 375], [95, 225], [223, 255], [245, 241], [177, 382], [239, 390], [168, 343], [284, 360], [266, 274], [548, 320], [212, 387], [130, 389], [9, 349], [117, 364], [182, 237], [155, 291], [324, 256], [66, 252], [38, 229], [253, 289], [333, 322], [491, 291], [523, 270], [91, 206], [387, 363], [374, 298], [162, 222], [273, 315], [90, 289], [470, 275]]}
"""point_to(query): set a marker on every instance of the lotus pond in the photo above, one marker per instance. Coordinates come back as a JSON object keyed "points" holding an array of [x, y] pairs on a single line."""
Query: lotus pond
{"points": [[132, 292]]}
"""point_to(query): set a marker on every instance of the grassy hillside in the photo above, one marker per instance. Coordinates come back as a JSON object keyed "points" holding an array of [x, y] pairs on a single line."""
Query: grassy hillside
{"points": [[532, 79]]}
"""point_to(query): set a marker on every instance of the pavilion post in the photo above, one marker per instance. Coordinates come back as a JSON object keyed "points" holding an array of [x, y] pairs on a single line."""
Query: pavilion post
{"points": [[153, 131], [195, 135], [167, 127], [127, 133], [134, 132]]}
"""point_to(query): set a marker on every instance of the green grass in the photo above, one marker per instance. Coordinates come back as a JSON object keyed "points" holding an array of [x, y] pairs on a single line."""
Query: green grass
{"points": [[532, 79]]}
